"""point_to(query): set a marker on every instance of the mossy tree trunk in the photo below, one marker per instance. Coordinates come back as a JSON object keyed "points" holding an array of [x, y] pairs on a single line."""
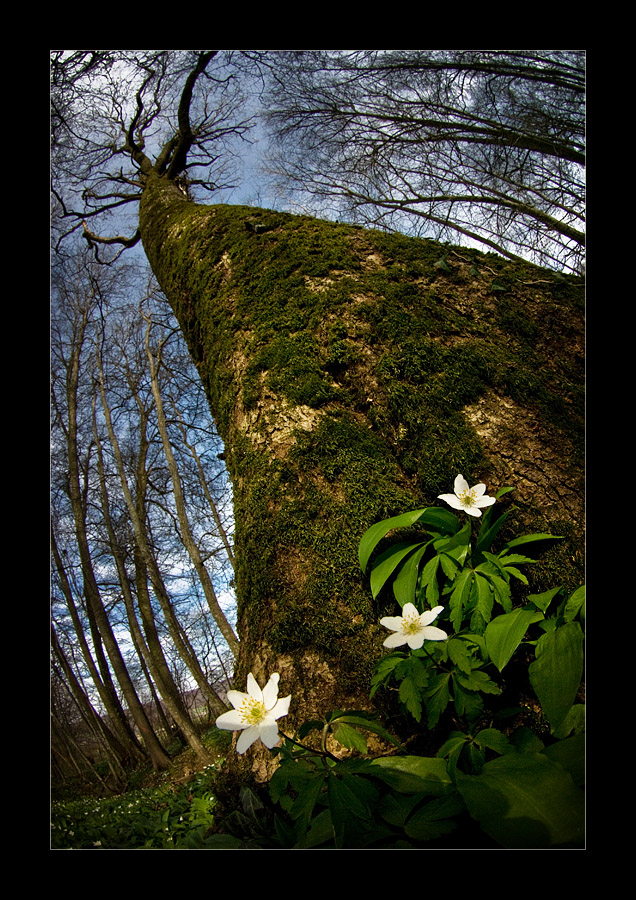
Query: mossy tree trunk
{"points": [[352, 374]]}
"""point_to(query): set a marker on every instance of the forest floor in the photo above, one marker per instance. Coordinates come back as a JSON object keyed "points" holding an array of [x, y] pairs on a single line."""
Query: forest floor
{"points": [[156, 810]]}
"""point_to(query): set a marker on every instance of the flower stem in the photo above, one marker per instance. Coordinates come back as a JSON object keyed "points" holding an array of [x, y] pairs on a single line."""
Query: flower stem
{"points": [[323, 752], [437, 665]]}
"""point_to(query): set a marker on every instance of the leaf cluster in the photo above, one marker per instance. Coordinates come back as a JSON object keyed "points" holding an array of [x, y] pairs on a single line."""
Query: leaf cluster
{"points": [[474, 584], [493, 782]]}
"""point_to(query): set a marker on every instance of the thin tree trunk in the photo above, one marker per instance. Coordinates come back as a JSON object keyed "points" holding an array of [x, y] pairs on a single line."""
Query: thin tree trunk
{"points": [[143, 545], [91, 589], [206, 490], [177, 488], [159, 757], [114, 749], [159, 667], [102, 684]]}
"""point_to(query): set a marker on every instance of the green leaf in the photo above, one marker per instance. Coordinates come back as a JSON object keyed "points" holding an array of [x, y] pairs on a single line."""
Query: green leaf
{"points": [[223, 842], [303, 806], [350, 799], [557, 670], [452, 750], [396, 808], [488, 533], [496, 563], [450, 566], [575, 604], [369, 723], [525, 801], [501, 590], [511, 570], [504, 634], [386, 564], [459, 654], [434, 818], [570, 754], [428, 580], [440, 519], [502, 491], [384, 669], [531, 538], [514, 558], [485, 596], [574, 721], [494, 740], [405, 583], [350, 737], [542, 601], [467, 701], [437, 698], [412, 774], [290, 773], [373, 535], [410, 694], [456, 741], [459, 597], [526, 741], [477, 680], [320, 831], [457, 544]]}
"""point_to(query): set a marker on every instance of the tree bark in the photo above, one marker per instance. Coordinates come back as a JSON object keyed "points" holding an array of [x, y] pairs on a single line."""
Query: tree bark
{"points": [[352, 375]]}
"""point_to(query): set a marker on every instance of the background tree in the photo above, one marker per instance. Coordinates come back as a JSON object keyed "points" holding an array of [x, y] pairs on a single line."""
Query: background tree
{"points": [[112, 590], [352, 374], [487, 146]]}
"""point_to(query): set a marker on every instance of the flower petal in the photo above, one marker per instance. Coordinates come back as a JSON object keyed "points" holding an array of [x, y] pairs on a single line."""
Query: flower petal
{"points": [[393, 623], [232, 720], [460, 484], [416, 640], [395, 640], [247, 738], [430, 633], [429, 615], [409, 611], [270, 691], [268, 733], [253, 688], [452, 500], [236, 698], [280, 708]]}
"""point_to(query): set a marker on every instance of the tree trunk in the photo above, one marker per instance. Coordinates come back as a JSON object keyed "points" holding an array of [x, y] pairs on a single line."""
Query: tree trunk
{"points": [[115, 751], [159, 757], [104, 686], [352, 375], [187, 535]]}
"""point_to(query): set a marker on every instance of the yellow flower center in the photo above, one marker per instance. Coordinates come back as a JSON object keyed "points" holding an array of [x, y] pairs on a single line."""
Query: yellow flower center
{"points": [[253, 711], [467, 497], [411, 624]]}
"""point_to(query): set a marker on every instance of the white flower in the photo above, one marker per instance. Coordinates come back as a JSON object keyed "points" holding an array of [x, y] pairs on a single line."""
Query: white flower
{"points": [[412, 628], [255, 713], [470, 499]]}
